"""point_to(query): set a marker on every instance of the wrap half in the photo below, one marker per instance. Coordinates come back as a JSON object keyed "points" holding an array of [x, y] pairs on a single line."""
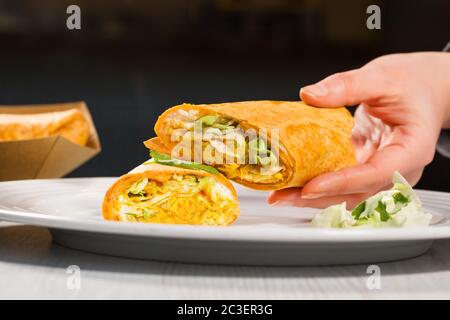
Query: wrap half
{"points": [[71, 124], [158, 193], [298, 142]]}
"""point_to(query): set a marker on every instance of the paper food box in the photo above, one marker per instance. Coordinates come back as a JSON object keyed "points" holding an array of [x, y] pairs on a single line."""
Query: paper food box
{"points": [[47, 157]]}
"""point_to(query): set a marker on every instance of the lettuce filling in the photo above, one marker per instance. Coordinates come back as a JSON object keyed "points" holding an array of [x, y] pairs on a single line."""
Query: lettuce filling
{"points": [[165, 159], [246, 157]]}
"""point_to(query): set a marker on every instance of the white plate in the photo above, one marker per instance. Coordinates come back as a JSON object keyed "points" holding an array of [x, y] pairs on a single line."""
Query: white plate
{"points": [[262, 235]]}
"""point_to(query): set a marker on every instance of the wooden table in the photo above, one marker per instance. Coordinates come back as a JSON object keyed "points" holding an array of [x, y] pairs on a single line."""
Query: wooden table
{"points": [[31, 267]]}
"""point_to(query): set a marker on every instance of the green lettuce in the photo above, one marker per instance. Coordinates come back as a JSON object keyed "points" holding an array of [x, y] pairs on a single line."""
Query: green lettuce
{"points": [[165, 159], [398, 207]]}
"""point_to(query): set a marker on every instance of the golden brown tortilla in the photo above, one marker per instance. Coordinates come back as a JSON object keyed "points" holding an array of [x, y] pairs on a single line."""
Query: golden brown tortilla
{"points": [[71, 124], [312, 140]]}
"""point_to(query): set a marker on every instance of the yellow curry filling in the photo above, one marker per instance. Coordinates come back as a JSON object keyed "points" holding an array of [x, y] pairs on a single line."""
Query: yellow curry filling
{"points": [[183, 199], [246, 158]]}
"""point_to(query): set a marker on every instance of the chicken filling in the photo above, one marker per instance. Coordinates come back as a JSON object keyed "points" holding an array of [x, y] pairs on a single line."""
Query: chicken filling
{"points": [[226, 146], [186, 199]]}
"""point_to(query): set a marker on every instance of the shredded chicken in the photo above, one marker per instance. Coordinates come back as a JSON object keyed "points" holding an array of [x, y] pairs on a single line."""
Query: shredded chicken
{"points": [[226, 146], [182, 199]]}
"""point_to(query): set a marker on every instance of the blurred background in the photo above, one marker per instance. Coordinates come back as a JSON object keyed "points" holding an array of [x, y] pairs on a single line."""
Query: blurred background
{"points": [[133, 59]]}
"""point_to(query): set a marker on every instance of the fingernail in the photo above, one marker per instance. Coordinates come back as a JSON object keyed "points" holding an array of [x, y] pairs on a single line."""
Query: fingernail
{"points": [[310, 196], [281, 203], [315, 90]]}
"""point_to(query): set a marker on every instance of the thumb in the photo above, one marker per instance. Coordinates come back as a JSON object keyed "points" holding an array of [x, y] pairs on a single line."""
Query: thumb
{"points": [[345, 88]]}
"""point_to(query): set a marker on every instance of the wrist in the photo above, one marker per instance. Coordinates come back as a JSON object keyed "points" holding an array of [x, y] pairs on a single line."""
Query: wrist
{"points": [[446, 72]]}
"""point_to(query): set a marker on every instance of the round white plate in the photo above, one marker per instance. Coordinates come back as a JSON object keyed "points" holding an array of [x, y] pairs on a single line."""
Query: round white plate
{"points": [[262, 235]]}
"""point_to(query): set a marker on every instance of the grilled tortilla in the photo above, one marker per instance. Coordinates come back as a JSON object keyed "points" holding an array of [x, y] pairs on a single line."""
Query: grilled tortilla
{"points": [[71, 124], [156, 193], [311, 141]]}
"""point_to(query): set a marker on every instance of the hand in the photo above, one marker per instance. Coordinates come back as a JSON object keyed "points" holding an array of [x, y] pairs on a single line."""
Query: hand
{"points": [[404, 102]]}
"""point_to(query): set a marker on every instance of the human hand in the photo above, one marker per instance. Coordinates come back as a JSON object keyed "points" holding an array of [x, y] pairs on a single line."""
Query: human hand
{"points": [[404, 102]]}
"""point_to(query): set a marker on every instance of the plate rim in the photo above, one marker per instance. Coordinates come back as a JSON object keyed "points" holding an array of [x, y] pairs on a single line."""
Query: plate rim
{"points": [[217, 233]]}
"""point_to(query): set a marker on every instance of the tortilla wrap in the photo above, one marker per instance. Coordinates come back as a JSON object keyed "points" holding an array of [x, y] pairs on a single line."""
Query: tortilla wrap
{"points": [[71, 124], [312, 141], [194, 209]]}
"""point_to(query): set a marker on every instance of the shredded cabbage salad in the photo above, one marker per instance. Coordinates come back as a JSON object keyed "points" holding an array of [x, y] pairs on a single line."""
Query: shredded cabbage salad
{"points": [[398, 207]]}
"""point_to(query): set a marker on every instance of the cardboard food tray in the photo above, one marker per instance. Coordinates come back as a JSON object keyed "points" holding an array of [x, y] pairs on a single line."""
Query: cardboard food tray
{"points": [[50, 157]]}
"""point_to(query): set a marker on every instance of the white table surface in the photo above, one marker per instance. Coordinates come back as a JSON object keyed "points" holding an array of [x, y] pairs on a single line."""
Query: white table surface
{"points": [[31, 267]]}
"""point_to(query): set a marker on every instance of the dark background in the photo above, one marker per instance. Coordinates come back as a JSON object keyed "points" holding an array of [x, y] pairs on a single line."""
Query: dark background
{"points": [[133, 59]]}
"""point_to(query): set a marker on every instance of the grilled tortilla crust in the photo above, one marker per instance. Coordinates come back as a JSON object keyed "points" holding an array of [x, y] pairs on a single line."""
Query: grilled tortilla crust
{"points": [[312, 140], [160, 173], [71, 124]]}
